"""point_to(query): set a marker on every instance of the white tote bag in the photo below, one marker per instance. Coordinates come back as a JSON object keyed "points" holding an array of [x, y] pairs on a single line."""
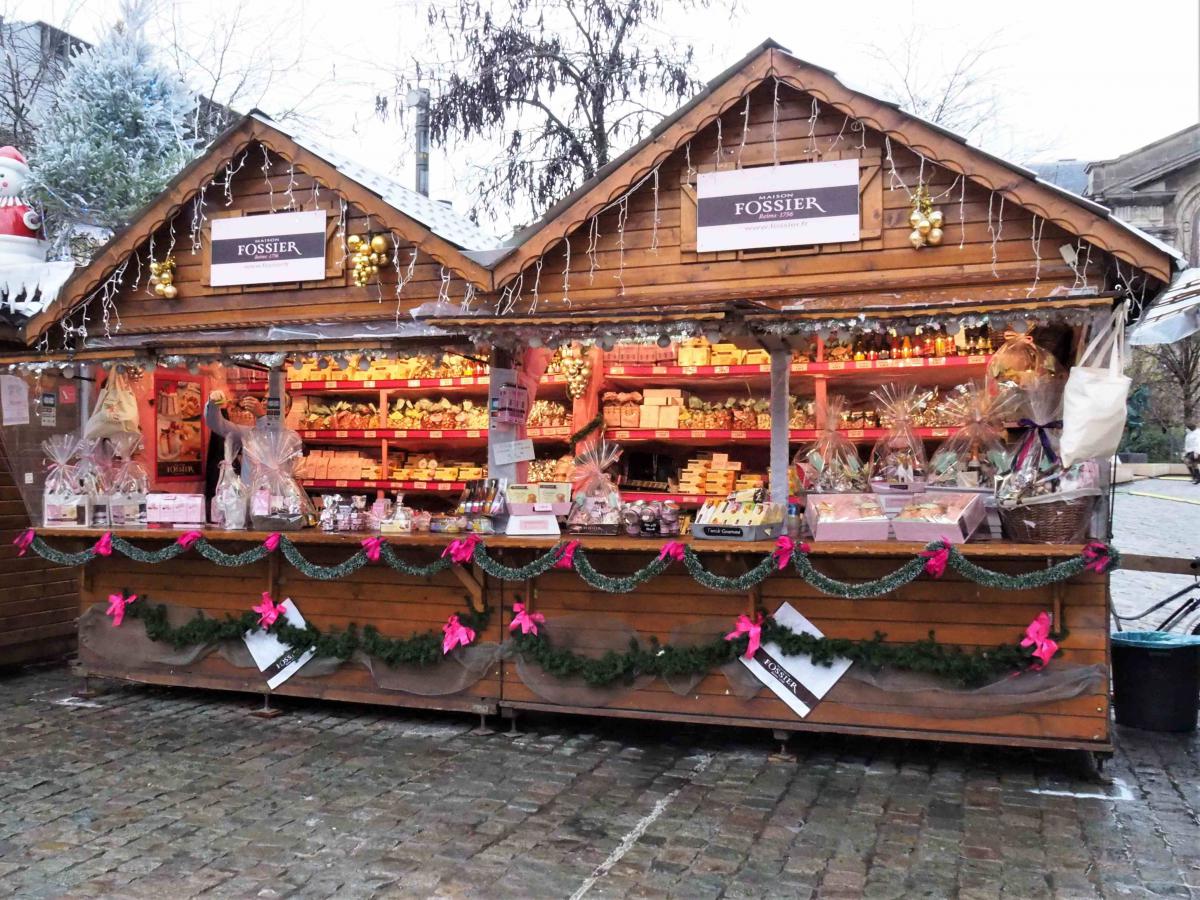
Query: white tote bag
{"points": [[1094, 399], [116, 408]]}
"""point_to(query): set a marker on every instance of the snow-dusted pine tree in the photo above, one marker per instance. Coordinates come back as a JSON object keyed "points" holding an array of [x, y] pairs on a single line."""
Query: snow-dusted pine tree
{"points": [[119, 130]]}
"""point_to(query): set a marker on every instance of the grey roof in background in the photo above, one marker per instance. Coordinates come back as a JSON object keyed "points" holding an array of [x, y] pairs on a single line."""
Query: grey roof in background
{"points": [[1069, 174], [438, 217]]}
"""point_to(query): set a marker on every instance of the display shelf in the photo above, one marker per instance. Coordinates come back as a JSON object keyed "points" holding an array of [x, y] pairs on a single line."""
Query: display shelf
{"points": [[358, 435], [439, 487], [830, 369], [697, 436], [473, 383]]}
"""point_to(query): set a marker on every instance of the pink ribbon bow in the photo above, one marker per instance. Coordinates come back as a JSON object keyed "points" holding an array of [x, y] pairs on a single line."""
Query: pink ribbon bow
{"points": [[268, 611], [272, 542], [1098, 557], [1037, 635], [525, 620], [784, 548], [751, 627], [937, 560], [23, 540], [372, 546], [116, 607], [566, 559], [462, 550], [104, 545], [457, 634], [188, 538], [672, 550]]}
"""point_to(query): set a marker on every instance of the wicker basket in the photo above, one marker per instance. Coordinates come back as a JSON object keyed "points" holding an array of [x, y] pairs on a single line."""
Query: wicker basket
{"points": [[1051, 521]]}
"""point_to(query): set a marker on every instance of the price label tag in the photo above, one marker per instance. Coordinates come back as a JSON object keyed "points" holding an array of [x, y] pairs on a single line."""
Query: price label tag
{"points": [[310, 434], [445, 382], [340, 483], [341, 434], [400, 434], [720, 370], [976, 360], [862, 364], [513, 452], [368, 434], [941, 432], [370, 484], [799, 367], [435, 434], [295, 385], [936, 361], [658, 370], [368, 384], [737, 435], [662, 434], [836, 366], [688, 370], [474, 433], [698, 433], [414, 382], [855, 433], [622, 435], [617, 370], [420, 485]]}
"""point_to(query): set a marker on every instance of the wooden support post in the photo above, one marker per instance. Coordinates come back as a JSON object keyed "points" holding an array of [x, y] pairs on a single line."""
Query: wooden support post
{"points": [[472, 584], [267, 711], [781, 370]]}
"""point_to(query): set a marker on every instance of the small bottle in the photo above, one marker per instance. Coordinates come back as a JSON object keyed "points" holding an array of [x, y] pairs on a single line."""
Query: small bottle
{"points": [[906, 348]]}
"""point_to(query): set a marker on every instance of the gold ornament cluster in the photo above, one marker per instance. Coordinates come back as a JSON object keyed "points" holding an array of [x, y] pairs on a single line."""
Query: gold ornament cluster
{"points": [[577, 369], [368, 255], [925, 220], [162, 276]]}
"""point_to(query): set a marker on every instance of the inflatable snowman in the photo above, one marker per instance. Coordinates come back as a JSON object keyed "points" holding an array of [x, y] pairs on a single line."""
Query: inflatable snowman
{"points": [[20, 223]]}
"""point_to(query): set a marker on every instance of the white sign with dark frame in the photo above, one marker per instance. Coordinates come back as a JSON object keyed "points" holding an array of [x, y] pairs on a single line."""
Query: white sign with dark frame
{"points": [[268, 249], [778, 206]]}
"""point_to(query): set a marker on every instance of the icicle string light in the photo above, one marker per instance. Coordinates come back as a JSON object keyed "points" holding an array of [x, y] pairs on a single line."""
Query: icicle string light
{"points": [[593, 240], [654, 220], [468, 297], [566, 298], [198, 219], [720, 150], [535, 296], [812, 127], [266, 170], [291, 186], [996, 233], [1035, 244], [687, 157], [230, 171], [962, 213], [622, 217], [745, 132], [443, 295], [839, 137], [775, 125]]}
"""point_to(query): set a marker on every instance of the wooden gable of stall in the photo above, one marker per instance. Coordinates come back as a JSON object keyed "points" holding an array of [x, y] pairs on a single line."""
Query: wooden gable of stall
{"points": [[255, 169], [627, 238]]}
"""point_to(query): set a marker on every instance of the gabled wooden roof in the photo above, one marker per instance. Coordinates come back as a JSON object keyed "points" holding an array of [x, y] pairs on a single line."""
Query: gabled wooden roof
{"points": [[1078, 216], [433, 228]]}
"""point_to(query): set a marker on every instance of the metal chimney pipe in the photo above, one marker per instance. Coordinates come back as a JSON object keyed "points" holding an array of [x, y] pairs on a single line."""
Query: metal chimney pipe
{"points": [[419, 98]]}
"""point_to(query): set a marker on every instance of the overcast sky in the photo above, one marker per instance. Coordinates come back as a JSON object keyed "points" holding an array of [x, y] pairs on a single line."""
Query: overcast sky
{"points": [[1073, 79]]}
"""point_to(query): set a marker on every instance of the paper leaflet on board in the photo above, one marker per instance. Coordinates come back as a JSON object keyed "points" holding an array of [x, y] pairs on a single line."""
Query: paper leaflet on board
{"points": [[796, 680], [275, 659]]}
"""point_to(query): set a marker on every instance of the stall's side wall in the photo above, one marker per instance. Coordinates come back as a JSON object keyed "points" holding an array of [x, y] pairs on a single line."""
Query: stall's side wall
{"points": [[990, 248], [38, 600], [281, 188]]}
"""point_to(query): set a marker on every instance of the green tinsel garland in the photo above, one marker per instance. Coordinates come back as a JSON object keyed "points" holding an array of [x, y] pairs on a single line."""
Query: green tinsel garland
{"points": [[801, 562], [586, 430], [420, 649], [966, 668]]}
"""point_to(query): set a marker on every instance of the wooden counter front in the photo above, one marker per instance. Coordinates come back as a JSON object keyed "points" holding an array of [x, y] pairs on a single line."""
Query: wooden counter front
{"points": [[958, 611]]}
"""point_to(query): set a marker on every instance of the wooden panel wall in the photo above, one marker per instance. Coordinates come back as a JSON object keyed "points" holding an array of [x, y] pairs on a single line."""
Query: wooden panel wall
{"points": [[959, 612], [397, 605], [625, 270], [38, 600], [255, 191]]}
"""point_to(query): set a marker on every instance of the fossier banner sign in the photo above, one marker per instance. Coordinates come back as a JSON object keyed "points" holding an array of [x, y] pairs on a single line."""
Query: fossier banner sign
{"points": [[777, 206], [268, 249]]}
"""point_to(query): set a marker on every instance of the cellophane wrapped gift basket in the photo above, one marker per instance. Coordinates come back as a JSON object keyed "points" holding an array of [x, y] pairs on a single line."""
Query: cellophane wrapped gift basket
{"points": [[898, 458], [830, 464], [596, 508], [277, 501], [1040, 501], [976, 453]]}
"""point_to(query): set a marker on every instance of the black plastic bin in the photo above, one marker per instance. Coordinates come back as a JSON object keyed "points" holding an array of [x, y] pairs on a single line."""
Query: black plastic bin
{"points": [[1156, 680]]}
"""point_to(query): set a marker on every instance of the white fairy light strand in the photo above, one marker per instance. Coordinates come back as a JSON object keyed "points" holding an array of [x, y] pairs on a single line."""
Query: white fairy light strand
{"points": [[720, 150], [745, 131], [468, 297], [266, 170], [962, 216], [1035, 244], [566, 298], [996, 231], [839, 137], [443, 295], [230, 171], [775, 125], [198, 219], [291, 185], [537, 284], [654, 221], [812, 127], [593, 240]]}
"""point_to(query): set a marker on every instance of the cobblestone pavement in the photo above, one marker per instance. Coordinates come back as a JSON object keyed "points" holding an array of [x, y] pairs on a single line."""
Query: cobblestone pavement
{"points": [[1153, 525], [145, 792]]}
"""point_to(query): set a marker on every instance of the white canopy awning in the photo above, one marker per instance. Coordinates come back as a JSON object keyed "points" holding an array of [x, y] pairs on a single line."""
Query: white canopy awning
{"points": [[1174, 315]]}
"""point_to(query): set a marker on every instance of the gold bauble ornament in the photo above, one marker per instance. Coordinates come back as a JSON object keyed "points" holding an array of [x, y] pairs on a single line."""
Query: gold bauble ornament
{"points": [[916, 239], [353, 241], [924, 225], [155, 268], [914, 217], [160, 290], [935, 218], [373, 269], [166, 277], [170, 291], [935, 236], [374, 257], [379, 243]]}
